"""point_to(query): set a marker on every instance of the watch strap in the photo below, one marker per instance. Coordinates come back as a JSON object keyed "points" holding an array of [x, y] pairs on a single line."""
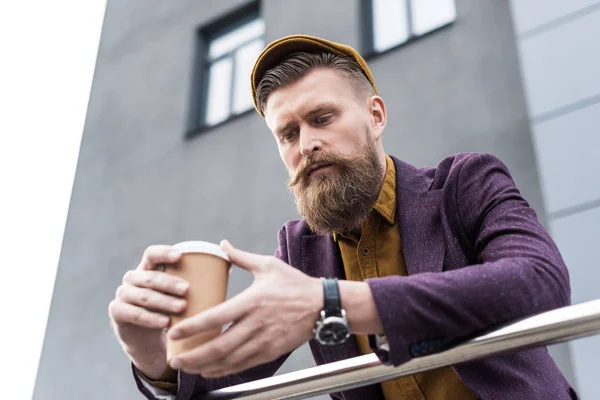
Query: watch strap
{"points": [[333, 303]]}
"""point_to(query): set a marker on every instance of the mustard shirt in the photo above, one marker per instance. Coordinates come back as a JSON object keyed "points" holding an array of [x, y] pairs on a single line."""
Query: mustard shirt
{"points": [[378, 253]]}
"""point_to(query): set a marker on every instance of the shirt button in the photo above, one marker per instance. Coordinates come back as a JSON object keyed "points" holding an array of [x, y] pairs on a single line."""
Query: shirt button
{"points": [[365, 251]]}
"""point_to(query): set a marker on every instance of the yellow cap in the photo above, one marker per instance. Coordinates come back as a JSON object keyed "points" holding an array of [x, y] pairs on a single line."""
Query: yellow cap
{"points": [[279, 49]]}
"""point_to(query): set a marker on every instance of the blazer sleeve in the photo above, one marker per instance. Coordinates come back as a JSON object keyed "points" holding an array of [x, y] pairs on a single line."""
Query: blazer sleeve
{"points": [[192, 385], [518, 270]]}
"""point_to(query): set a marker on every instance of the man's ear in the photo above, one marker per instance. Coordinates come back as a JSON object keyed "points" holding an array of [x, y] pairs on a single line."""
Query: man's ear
{"points": [[378, 115]]}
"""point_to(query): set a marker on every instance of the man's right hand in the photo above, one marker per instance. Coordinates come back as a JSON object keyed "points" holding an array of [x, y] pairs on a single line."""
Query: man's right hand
{"points": [[140, 311]]}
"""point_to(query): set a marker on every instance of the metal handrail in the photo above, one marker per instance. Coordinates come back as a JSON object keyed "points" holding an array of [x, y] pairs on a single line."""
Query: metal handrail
{"points": [[550, 327]]}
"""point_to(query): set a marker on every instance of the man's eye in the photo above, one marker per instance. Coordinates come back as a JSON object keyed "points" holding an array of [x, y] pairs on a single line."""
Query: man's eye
{"points": [[323, 119], [288, 136]]}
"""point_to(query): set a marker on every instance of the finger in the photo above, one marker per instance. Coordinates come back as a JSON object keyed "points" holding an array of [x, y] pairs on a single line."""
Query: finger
{"points": [[255, 350], [252, 353], [150, 299], [159, 254], [211, 354], [249, 355], [249, 261], [157, 280], [124, 313], [231, 310]]}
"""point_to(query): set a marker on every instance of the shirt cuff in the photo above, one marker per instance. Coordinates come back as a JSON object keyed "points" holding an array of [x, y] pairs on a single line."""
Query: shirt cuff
{"points": [[165, 385], [381, 347], [381, 342]]}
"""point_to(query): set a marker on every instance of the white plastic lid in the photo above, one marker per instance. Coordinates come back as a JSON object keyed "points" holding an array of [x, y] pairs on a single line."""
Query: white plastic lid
{"points": [[201, 247]]}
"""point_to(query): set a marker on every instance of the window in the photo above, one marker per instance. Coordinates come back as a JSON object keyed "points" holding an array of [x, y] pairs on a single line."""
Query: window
{"points": [[229, 56], [393, 22]]}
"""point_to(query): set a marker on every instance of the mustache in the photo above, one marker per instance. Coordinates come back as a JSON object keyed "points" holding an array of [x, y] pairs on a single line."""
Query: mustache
{"points": [[301, 173]]}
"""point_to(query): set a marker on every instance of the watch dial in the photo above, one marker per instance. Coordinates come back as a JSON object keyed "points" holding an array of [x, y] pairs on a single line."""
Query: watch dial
{"points": [[334, 332]]}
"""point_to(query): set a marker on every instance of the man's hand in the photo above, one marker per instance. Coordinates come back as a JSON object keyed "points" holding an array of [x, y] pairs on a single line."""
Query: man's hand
{"points": [[274, 316], [139, 312]]}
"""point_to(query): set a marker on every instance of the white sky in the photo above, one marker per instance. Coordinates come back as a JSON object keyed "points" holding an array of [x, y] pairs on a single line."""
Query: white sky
{"points": [[47, 57]]}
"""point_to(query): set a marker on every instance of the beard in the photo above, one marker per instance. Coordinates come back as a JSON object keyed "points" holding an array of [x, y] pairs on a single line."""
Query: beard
{"points": [[340, 199]]}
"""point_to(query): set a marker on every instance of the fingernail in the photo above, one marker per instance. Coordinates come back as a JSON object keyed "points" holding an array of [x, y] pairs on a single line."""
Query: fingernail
{"points": [[178, 304], [174, 254], [175, 363], [174, 335], [181, 286], [164, 321]]}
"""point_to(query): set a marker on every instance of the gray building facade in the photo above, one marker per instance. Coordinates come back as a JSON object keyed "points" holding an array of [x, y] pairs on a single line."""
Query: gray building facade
{"points": [[560, 63], [150, 171]]}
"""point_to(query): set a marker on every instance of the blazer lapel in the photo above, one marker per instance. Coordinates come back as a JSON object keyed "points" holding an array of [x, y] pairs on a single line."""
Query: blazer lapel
{"points": [[321, 257], [419, 220]]}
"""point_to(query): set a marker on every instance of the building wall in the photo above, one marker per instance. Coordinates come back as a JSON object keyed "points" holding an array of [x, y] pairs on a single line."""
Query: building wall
{"points": [[139, 182], [560, 62]]}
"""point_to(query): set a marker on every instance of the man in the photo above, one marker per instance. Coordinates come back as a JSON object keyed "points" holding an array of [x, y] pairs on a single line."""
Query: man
{"points": [[426, 257]]}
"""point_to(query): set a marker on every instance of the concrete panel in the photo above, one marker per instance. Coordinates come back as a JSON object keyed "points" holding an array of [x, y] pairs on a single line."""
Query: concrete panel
{"points": [[577, 237], [143, 80], [567, 153], [561, 66], [530, 14], [585, 364], [314, 17]]}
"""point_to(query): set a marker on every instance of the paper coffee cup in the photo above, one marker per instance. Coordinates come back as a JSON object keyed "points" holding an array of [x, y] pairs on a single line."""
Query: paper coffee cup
{"points": [[206, 267]]}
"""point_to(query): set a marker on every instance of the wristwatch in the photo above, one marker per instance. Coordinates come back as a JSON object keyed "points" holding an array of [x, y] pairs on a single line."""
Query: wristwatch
{"points": [[332, 327]]}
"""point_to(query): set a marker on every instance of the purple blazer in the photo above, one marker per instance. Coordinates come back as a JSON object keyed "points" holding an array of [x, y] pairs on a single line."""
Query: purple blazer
{"points": [[477, 257]]}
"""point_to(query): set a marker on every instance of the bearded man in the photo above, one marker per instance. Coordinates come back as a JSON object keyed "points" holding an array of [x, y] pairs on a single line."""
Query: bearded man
{"points": [[387, 258]]}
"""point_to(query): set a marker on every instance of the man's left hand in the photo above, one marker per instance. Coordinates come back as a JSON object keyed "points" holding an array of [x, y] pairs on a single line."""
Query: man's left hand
{"points": [[274, 316]]}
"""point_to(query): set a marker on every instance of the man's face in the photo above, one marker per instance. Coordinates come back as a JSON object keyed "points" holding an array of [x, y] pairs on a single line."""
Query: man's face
{"points": [[330, 143]]}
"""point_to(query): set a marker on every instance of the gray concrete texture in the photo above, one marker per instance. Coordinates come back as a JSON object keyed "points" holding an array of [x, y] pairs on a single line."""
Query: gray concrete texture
{"points": [[139, 182], [558, 49]]}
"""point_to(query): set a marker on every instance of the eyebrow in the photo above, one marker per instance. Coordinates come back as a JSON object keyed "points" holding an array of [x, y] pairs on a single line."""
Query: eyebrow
{"points": [[318, 109]]}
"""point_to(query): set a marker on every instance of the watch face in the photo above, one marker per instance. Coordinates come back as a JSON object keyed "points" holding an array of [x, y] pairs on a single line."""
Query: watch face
{"points": [[333, 331]]}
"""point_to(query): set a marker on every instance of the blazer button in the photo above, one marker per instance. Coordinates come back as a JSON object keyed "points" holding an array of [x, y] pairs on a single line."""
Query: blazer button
{"points": [[365, 251], [415, 350]]}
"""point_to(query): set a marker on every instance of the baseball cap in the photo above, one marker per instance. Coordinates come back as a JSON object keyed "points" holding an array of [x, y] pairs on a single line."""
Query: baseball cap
{"points": [[278, 50]]}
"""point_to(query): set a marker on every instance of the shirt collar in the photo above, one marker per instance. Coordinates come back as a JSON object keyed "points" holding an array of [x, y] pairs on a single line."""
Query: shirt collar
{"points": [[386, 202]]}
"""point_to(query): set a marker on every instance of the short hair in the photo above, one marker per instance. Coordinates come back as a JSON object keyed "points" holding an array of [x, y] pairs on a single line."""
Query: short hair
{"points": [[298, 65]]}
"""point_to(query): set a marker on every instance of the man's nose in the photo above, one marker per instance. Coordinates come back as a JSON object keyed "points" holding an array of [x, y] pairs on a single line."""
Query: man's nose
{"points": [[310, 142]]}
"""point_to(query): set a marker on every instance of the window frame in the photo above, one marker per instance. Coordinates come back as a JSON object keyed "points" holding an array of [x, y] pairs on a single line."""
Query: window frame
{"points": [[368, 29], [196, 121]]}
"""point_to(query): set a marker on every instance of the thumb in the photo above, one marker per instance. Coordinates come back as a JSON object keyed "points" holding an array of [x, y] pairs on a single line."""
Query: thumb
{"points": [[249, 261]]}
